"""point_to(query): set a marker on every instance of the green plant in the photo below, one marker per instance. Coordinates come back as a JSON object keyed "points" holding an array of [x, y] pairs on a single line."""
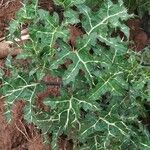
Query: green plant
{"points": [[105, 87], [141, 6]]}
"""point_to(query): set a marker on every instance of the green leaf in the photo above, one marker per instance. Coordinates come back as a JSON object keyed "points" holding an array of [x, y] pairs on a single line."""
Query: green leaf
{"points": [[113, 83], [8, 62], [1, 73], [72, 17], [67, 110], [68, 3]]}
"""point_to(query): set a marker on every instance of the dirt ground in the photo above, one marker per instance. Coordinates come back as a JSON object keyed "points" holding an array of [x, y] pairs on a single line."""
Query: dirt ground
{"points": [[21, 136]]}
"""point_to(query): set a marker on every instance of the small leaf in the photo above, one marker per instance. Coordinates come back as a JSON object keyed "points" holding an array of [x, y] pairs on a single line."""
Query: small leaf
{"points": [[1, 73], [8, 62], [22, 56], [72, 17], [40, 74]]}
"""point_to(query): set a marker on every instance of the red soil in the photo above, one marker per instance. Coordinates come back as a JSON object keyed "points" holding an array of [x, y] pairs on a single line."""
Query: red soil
{"points": [[137, 35]]}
